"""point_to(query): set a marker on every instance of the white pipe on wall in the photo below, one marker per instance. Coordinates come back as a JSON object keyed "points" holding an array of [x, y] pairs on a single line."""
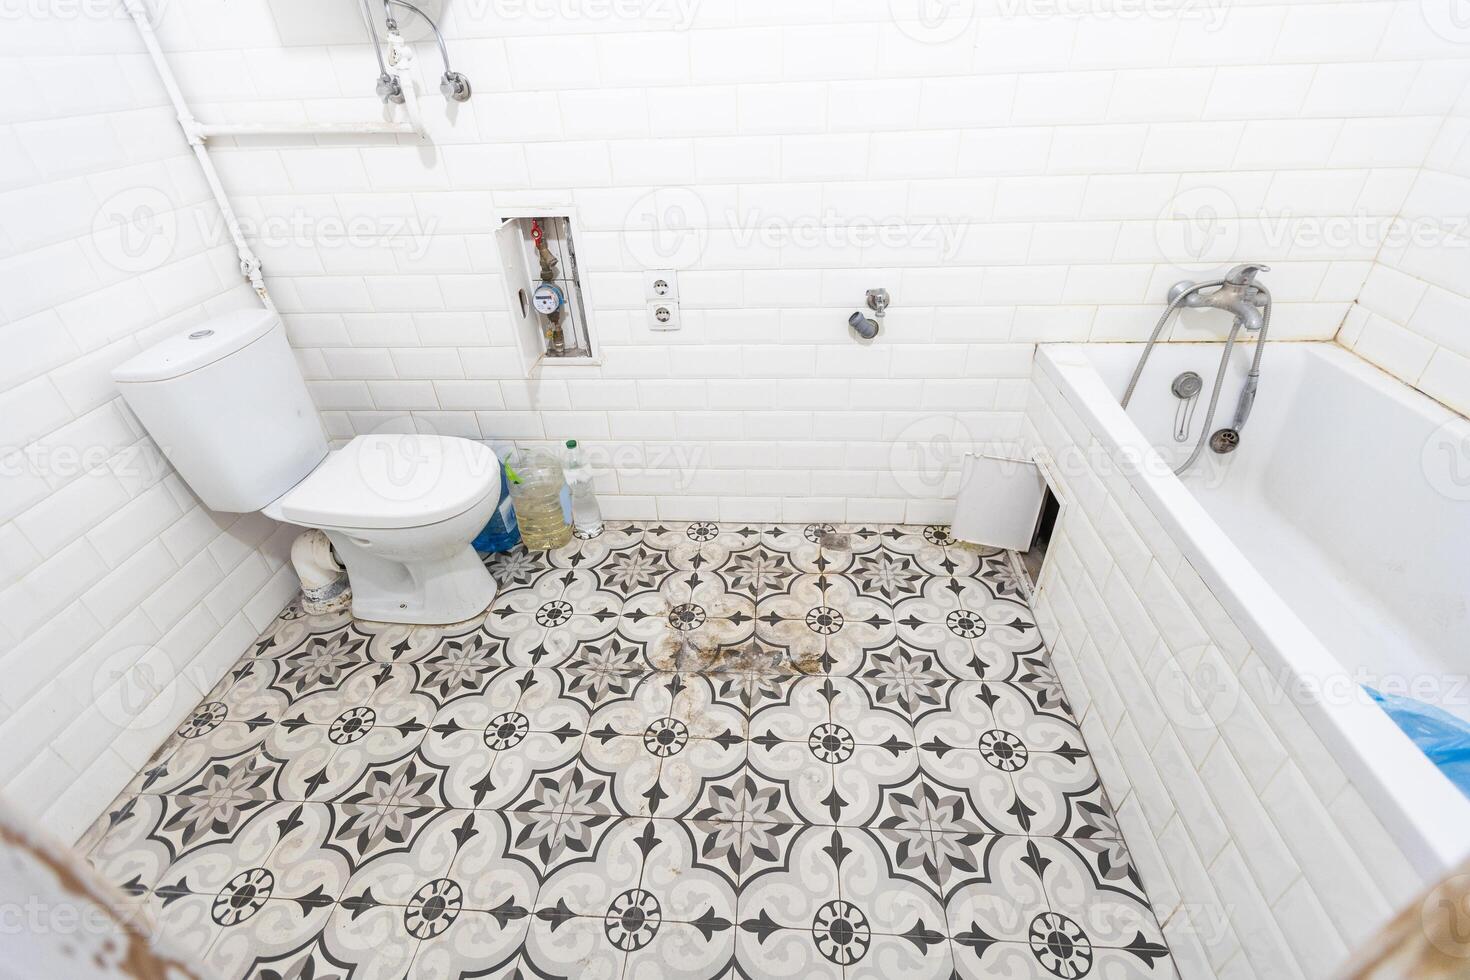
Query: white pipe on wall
{"points": [[196, 133], [400, 56], [250, 266], [308, 129]]}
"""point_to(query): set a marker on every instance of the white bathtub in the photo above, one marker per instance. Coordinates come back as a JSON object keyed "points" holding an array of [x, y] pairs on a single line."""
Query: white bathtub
{"points": [[1329, 551], [1327, 498]]}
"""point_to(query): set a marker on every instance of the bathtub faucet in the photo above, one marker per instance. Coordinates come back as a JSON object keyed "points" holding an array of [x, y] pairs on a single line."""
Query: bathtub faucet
{"points": [[1239, 295]]}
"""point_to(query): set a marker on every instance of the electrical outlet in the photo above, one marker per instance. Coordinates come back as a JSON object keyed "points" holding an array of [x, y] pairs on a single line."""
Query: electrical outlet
{"points": [[663, 316], [661, 284]]}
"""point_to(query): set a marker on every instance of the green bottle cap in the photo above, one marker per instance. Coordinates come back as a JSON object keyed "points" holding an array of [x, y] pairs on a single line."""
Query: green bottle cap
{"points": [[571, 444]]}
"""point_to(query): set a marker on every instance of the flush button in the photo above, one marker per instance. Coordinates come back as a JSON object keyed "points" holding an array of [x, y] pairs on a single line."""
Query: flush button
{"points": [[201, 334]]}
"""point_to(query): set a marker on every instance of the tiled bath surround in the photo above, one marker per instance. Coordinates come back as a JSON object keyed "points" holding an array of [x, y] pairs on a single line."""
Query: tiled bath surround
{"points": [[1410, 315], [121, 598], [1261, 857]]}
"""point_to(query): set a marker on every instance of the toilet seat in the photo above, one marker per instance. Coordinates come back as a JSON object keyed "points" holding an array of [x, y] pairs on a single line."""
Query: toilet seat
{"points": [[393, 480]]}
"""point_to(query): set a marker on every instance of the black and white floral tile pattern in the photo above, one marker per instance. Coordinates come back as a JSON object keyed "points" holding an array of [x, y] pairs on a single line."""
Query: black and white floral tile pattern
{"points": [[672, 750]]}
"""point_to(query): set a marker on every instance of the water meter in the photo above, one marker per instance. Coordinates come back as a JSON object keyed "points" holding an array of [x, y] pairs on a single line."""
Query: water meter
{"points": [[547, 298]]}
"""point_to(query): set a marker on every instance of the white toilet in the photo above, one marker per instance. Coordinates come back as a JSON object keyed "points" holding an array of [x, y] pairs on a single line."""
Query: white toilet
{"points": [[227, 405]]}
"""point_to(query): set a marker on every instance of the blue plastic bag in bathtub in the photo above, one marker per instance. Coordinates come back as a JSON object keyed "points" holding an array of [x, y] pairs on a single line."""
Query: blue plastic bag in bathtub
{"points": [[1439, 734]]}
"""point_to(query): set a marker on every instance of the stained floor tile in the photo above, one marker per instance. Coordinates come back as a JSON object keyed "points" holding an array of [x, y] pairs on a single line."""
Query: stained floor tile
{"points": [[683, 750]]}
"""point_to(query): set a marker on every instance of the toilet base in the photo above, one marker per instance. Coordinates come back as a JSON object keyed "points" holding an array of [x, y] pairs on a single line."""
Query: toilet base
{"points": [[426, 592]]}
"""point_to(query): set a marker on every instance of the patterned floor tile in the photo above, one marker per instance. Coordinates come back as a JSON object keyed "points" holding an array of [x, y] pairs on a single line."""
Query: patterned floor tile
{"points": [[577, 946], [703, 950], [920, 956], [207, 868], [257, 925], [1003, 893], [476, 943], [857, 712], [131, 856], [898, 881], [763, 950], [588, 552], [1056, 947], [393, 876], [673, 749], [518, 568], [1095, 883], [185, 920], [201, 752], [358, 940], [597, 882], [687, 864], [760, 571]]}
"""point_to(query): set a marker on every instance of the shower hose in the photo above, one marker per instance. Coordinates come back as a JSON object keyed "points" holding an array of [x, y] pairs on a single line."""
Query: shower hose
{"points": [[1251, 378]]}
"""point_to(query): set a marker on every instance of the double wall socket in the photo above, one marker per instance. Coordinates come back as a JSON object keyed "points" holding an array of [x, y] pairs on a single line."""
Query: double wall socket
{"points": [[661, 290]]}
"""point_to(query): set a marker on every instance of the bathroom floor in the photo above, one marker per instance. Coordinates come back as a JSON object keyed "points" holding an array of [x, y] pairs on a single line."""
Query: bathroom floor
{"points": [[672, 750]]}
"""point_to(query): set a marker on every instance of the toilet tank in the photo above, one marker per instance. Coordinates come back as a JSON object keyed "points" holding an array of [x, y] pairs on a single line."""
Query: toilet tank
{"points": [[226, 403]]}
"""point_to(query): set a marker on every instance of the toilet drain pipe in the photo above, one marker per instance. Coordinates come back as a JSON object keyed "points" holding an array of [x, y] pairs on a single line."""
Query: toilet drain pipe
{"points": [[250, 266], [324, 584]]}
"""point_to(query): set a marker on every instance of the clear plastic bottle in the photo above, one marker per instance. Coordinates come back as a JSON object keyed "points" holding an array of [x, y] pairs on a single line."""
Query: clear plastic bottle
{"points": [[535, 487], [586, 515]]}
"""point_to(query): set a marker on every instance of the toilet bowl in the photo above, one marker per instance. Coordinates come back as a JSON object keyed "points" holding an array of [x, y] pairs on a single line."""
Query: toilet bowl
{"points": [[227, 405], [401, 511]]}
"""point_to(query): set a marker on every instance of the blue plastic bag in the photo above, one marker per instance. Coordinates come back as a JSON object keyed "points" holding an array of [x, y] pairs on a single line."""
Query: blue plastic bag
{"points": [[503, 532], [1439, 734]]}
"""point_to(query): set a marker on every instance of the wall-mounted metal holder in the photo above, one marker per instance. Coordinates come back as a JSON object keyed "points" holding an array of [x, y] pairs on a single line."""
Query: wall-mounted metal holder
{"points": [[866, 327]]}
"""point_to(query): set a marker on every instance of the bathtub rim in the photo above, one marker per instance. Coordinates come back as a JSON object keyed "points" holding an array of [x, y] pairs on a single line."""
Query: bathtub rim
{"points": [[1422, 810]]}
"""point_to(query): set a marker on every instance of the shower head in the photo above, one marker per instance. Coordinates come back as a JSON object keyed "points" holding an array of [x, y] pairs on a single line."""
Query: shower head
{"points": [[1187, 385]]}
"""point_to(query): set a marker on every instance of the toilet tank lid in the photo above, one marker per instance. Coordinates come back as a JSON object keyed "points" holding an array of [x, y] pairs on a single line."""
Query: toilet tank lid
{"points": [[200, 345], [394, 481]]}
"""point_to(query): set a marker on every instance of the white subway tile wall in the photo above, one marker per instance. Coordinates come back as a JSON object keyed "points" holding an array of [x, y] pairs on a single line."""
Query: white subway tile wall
{"points": [[122, 600], [1412, 313], [1260, 857], [1012, 176]]}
